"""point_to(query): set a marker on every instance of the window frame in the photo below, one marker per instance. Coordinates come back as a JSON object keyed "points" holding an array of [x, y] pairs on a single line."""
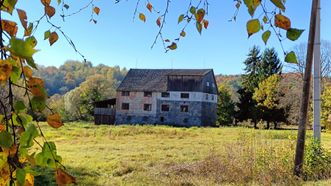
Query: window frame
{"points": [[165, 94], [125, 93], [148, 94], [185, 108], [148, 106], [124, 107], [184, 97], [167, 110]]}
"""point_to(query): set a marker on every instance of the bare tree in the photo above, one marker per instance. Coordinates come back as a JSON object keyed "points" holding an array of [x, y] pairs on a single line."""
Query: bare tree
{"points": [[301, 52]]}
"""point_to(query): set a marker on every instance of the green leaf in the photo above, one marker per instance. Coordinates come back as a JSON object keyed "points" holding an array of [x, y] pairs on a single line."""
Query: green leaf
{"points": [[20, 176], [28, 135], [58, 2], [253, 26], [180, 18], [31, 62], [15, 74], [173, 46], [38, 103], [6, 140], [8, 6], [291, 58], [192, 10], [183, 33], [19, 105], [21, 48], [279, 4], [199, 27], [47, 34], [265, 36], [46, 157], [293, 34]]}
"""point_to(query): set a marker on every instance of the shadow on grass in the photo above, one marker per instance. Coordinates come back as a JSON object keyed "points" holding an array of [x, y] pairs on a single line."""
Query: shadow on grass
{"points": [[47, 177]]}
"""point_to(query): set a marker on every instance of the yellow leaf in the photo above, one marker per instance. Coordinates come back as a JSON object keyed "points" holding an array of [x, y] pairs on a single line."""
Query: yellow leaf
{"points": [[142, 17], [149, 6], [5, 175], [173, 46], [29, 180], [10, 27], [53, 37], [282, 22], [96, 10], [54, 120], [183, 33], [8, 5], [50, 11], [63, 178], [23, 18], [5, 70], [253, 26]]}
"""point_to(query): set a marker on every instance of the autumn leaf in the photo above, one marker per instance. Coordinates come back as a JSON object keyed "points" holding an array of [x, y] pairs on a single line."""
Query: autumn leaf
{"points": [[28, 31], [265, 19], [279, 4], [2, 127], [199, 27], [5, 70], [142, 17], [183, 33], [265, 36], [23, 18], [36, 86], [149, 6], [47, 34], [253, 26], [10, 27], [63, 178], [158, 21], [252, 5], [282, 22], [27, 71], [29, 180], [8, 5], [200, 15], [50, 11], [180, 18], [53, 37], [205, 23], [173, 46], [46, 2], [54, 120], [96, 10]]}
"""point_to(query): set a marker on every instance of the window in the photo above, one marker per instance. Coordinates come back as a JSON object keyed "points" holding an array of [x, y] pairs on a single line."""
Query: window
{"points": [[147, 107], [125, 93], [207, 84], [184, 108], [213, 85], [165, 108], [212, 97], [147, 94], [185, 95], [206, 96], [165, 94], [162, 119], [125, 106]]}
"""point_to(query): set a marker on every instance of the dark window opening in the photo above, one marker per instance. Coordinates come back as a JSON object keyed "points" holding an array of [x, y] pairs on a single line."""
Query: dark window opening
{"points": [[185, 95], [185, 120], [165, 108], [162, 119], [165, 94], [125, 93], [147, 94], [147, 107], [125, 106], [184, 108]]}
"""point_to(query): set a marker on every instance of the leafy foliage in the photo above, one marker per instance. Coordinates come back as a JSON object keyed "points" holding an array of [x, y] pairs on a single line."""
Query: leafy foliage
{"points": [[225, 107]]}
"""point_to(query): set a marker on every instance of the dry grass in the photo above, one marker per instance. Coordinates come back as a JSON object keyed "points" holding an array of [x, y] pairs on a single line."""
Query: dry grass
{"points": [[160, 155]]}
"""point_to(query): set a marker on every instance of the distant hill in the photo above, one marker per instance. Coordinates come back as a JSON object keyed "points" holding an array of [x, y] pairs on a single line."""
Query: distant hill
{"points": [[72, 73]]}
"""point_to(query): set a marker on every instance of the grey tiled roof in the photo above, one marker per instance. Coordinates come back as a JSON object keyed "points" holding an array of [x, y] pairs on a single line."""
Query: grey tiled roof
{"points": [[154, 80]]}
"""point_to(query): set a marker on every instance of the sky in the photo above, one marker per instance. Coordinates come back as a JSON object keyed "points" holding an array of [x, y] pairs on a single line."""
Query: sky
{"points": [[118, 39]]}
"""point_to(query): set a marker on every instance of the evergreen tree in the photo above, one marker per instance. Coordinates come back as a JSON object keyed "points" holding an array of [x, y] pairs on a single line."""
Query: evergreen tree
{"points": [[252, 63], [269, 65]]}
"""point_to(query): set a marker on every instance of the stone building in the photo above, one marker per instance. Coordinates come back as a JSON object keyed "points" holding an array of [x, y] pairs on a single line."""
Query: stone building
{"points": [[162, 96]]}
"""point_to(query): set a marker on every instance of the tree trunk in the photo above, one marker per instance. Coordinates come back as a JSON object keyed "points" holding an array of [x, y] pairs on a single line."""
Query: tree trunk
{"points": [[300, 147], [268, 124]]}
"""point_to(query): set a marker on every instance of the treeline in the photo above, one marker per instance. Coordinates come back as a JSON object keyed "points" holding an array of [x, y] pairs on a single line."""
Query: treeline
{"points": [[264, 96], [75, 86]]}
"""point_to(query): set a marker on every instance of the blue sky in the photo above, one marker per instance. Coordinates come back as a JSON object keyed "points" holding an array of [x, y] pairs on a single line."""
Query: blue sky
{"points": [[118, 40]]}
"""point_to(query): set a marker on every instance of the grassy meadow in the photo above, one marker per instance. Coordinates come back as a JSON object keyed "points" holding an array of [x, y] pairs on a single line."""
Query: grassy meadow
{"points": [[161, 155]]}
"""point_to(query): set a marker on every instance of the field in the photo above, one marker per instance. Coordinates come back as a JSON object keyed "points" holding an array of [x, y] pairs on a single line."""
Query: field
{"points": [[161, 155]]}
